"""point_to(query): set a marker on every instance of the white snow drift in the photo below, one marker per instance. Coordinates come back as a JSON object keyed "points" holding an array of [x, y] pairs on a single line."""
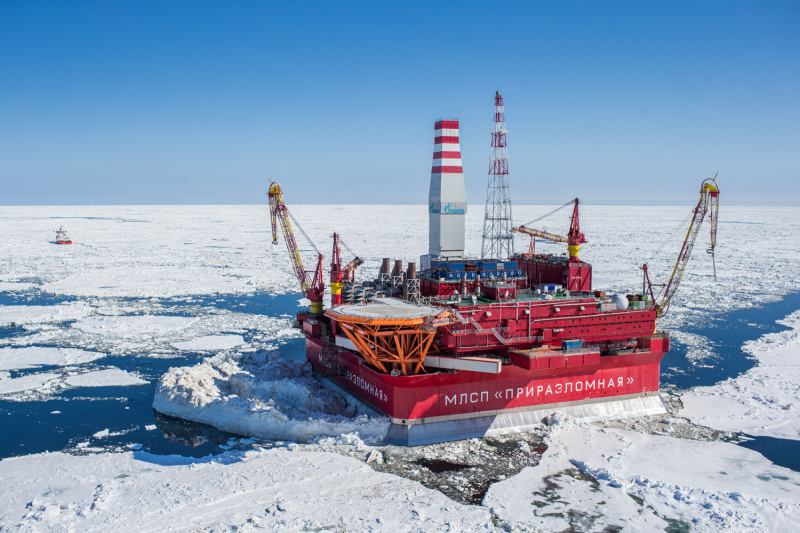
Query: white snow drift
{"points": [[260, 394], [268, 490]]}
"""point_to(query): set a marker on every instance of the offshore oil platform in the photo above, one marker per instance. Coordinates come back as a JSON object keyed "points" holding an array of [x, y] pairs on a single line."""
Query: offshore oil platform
{"points": [[467, 347]]}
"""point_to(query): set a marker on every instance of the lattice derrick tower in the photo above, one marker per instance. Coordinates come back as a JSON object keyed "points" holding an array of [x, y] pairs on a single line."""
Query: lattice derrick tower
{"points": [[498, 241]]}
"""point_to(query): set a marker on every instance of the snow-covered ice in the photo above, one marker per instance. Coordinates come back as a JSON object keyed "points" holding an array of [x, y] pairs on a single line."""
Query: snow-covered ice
{"points": [[262, 395], [210, 343], [126, 260], [274, 490], [163, 251], [593, 479], [38, 356], [35, 314], [109, 377], [126, 327], [12, 286], [31, 382], [765, 400]]}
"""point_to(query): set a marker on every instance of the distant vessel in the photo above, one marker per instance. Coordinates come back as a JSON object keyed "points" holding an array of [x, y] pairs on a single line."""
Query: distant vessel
{"points": [[62, 237]]}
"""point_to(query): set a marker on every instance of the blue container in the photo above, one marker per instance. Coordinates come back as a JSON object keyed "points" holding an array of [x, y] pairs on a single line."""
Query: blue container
{"points": [[488, 266], [470, 275], [484, 274], [572, 345], [511, 265], [456, 267]]}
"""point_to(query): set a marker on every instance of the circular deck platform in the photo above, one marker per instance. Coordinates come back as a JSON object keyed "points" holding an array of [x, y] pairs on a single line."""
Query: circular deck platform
{"points": [[386, 309]]}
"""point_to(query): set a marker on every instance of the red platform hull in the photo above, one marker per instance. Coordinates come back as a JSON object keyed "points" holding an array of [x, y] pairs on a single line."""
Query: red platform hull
{"points": [[442, 396]]}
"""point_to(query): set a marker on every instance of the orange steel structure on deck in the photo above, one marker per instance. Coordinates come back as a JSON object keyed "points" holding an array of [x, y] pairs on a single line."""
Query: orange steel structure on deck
{"points": [[392, 344]]}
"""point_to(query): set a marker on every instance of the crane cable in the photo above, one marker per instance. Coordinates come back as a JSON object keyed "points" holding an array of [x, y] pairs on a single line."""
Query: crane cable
{"points": [[346, 247], [669, 237], [298, 226], [554, 211]]}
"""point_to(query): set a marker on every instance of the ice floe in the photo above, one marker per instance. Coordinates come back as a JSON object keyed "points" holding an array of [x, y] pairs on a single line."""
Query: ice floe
{"points": [[260, 394], [30, 382], [39, 356], [11, 286], [35, 314], [127, 327], [210, 343], [109, 377]]}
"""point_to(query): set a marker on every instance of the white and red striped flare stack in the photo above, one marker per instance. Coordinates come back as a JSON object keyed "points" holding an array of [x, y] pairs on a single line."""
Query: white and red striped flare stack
{"points": [[447, 201]]}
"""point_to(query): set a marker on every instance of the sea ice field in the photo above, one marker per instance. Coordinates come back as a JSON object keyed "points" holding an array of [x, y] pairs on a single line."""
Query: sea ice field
{"points": [[150, 379]]}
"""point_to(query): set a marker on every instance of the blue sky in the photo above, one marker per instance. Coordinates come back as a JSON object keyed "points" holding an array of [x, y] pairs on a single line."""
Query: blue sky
{"points": [[200, 102]]}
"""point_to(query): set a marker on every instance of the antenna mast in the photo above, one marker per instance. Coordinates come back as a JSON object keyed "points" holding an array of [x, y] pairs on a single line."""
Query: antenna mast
{"points": [[498, 241]]}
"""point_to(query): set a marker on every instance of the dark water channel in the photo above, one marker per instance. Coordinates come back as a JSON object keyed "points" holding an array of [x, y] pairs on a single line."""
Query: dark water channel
{"points": [[726, 334]]}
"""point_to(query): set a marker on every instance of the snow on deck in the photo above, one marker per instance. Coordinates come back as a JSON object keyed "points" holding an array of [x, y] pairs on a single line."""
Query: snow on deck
{"points": [[388, 308]]}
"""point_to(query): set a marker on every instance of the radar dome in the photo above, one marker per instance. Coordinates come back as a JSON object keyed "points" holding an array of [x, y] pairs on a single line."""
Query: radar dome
{"points": [[621, 301]]}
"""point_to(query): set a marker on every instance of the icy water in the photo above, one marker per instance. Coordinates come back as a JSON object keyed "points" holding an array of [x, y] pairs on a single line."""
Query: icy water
{"points": [[726, 334], [65, 420], [70, 419]]}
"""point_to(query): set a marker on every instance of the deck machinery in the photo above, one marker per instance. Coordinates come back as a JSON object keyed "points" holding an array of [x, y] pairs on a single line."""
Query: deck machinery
{"points": [[469, 348]]}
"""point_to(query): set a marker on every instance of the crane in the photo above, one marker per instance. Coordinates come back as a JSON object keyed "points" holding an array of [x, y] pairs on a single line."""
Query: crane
{"points": [[339, 274], [538, 233], [574, 238], [312, 288], [707, 205]]}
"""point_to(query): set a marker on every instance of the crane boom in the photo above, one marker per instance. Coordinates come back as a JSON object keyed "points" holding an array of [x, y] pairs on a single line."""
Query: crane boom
{"points": [[313, 289], [351, 266], [707, 205], [538, 233], [574, 238]]}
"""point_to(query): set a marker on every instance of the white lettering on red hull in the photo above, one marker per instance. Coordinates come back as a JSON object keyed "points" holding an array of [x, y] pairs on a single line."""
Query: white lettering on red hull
{"points": [[366, 386], [537, 390]]}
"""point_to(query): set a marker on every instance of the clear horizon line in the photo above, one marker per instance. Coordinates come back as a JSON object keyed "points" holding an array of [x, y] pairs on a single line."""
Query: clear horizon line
{"points": [[643, 203]]}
